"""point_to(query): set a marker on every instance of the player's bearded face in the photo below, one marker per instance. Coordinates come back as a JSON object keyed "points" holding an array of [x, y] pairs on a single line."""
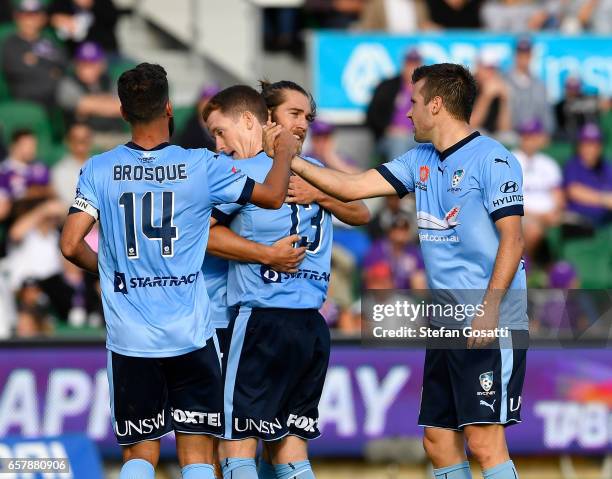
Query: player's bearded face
{"points": [[293, 114]]}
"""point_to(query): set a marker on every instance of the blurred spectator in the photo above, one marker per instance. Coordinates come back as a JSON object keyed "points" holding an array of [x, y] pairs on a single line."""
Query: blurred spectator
{"points": [[575, 110], [281, 29], [528, 97], [32, 64], [454, 13], [515, 16], [492, 106], [400, 253], [601, 21], [88, 96], [33, 306], [394, 16], [386, 114], [74, 296], [21, 176], [77, 21], [195, 134], [65, 174], [338, 14], [542, 185], [572, 16], [33, 250], [381, 222], [587, 178], [323, 148]]}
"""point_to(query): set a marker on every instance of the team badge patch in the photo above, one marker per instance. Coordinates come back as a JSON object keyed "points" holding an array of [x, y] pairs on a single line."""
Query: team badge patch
{"points": [[424, 173], [457, 177], [486, 380]]}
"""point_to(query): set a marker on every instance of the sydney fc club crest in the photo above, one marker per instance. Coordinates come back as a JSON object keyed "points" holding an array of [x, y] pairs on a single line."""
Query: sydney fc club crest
{"points": [[457, 177], [424, 173], [486, 381]]}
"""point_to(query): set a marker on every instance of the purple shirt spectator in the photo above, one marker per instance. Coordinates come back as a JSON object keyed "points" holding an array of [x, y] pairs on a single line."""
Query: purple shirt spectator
{"points": [[599, 178], [402, 267], [16, 177], [402, 107]]}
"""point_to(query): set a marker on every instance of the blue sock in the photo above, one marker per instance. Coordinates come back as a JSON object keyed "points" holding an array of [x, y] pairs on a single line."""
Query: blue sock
{"points": [[506, 470], [236, 468], [198, 471], [300, 470], [265, 470], [137, 469], [458, 471]]}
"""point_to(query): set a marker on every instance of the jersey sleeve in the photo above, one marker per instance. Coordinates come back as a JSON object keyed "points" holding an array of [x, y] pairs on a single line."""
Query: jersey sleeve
{"points": [[227, 183], [226, 212], [399, 173], [86, 198], [502, 185]]}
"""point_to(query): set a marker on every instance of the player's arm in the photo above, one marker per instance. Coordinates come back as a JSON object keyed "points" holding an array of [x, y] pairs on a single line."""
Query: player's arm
{"points": [[505, 209], [271, 193], [343, 186], [72, 242], [281, 256], [353, 213]]}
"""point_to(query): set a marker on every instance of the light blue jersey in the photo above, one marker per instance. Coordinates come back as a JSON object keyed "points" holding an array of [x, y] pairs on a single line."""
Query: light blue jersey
{"points": [[154, 210], [460, 194], [215, 272], [256, 285]]}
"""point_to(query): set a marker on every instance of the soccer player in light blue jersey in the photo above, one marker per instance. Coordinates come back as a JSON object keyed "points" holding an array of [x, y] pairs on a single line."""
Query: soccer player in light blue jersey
{"points": [[154, 202], [469, 205], [279, 349]]}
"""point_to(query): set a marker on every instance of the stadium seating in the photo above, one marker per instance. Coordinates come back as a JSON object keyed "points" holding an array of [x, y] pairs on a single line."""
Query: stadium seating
{"points": [[21, 114]]}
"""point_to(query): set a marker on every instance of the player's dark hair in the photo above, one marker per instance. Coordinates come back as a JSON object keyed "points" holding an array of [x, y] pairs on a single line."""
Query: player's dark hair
{"points": [[236, 100], [19, 134], [143, 92], [274, 96], [453, 83]]}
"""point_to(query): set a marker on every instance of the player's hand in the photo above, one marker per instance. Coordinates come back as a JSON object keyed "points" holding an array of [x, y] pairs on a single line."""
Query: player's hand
{"points": [[487, 322], [302, 192], [283, 257], [285, 140], [270, 132]]}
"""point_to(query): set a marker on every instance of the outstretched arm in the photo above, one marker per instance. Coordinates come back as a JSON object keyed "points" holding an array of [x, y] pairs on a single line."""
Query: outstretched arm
{"points": [[281, 256], [343, 186], [353, 213]]}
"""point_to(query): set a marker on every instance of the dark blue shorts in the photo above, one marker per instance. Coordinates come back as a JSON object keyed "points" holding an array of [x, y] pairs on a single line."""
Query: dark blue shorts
{"points": [[151, 397], [464, 386], [274, 374]]}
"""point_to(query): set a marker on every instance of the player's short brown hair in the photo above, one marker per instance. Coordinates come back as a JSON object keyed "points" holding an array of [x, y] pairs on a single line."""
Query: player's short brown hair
{"points": [[236, 100], [453, 83]]}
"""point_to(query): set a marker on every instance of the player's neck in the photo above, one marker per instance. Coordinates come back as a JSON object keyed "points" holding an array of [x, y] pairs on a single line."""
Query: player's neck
{"points": [[450, 134], [151, 134]]}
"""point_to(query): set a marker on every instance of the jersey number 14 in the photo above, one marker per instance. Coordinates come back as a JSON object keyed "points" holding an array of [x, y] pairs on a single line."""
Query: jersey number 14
{"points": [[166, 233]]}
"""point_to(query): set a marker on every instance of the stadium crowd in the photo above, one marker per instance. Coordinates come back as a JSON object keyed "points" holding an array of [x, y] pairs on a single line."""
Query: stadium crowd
{"points": [[58, 106]]}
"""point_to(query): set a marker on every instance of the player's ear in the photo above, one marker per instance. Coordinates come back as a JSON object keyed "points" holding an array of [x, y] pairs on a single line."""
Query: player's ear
{"points": [[123, 113], [436, 105], [169, 109], [249, 118]]}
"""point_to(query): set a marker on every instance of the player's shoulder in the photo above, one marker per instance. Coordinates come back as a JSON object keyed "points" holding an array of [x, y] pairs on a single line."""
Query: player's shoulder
{"points": [[421, 153], [489, 150]]}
